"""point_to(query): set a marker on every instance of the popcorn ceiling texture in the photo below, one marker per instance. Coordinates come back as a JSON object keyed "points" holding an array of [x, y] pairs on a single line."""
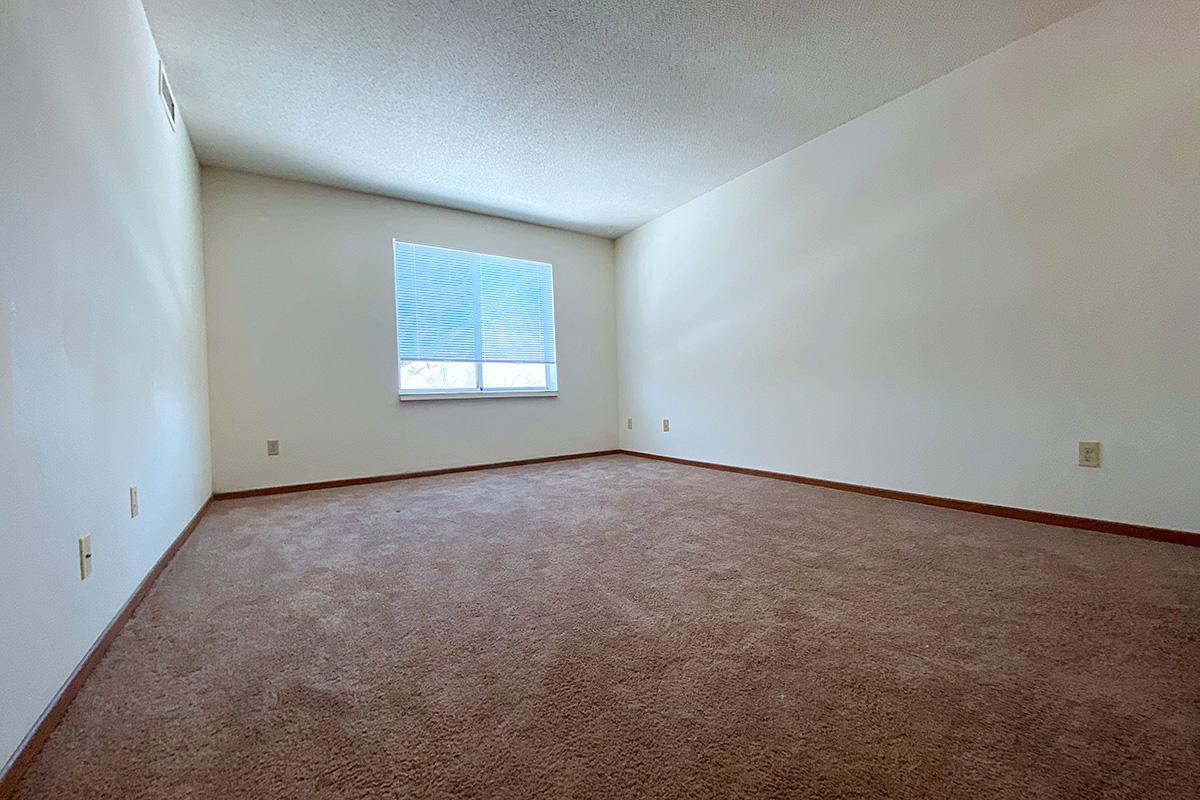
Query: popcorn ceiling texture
{"points": [[623, 628], [593, 115]]}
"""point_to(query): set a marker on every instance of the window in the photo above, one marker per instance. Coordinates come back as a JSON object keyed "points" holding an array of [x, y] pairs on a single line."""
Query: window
{"points": [[473, 325]]}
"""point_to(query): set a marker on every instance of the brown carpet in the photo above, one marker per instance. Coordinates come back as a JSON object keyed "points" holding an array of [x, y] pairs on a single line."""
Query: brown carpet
{"points": [[618, 627]]}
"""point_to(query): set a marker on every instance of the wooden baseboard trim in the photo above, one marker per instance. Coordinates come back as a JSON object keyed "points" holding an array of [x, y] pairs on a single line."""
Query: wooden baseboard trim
{"points": [[11, 774], [401, 476], [1028, 515]]}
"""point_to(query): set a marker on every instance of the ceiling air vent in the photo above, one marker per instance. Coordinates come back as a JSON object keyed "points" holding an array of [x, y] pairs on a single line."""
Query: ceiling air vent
{"points": [[164, 91]]}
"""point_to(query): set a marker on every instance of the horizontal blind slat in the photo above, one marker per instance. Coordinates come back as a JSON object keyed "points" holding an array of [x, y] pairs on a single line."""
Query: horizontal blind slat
{"points": [[452, 305], [517, 302]]}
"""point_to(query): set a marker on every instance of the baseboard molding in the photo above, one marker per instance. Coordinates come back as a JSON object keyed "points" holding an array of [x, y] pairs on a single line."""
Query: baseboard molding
{"points": [[11, 774], [1028, 515], [400, 476]]}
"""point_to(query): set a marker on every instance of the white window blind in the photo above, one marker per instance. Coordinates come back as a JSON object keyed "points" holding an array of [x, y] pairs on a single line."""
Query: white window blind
{"points": [[455, 308]]}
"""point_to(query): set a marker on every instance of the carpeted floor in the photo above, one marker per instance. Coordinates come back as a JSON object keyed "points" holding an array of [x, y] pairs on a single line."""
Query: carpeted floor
{"points": [[623, 628]]}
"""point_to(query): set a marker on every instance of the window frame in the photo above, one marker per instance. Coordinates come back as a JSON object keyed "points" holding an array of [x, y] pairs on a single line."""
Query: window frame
{"points": [[480, 391]]}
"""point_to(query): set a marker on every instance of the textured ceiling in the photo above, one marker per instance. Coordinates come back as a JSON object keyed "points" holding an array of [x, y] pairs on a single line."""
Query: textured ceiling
{"points": [[595, 115]]}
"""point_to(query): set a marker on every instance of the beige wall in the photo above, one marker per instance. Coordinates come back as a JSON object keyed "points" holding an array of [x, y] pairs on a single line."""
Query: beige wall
{"points": [[302, 338], [946, 294], [102, 363]]}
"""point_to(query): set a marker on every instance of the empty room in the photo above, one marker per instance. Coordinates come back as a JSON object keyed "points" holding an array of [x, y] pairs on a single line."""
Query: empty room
{"points": [[515, 399]]}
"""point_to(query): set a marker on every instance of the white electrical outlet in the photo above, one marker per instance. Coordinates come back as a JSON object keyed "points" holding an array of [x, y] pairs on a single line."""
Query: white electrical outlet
{"points": [[1089, 454], [666, 426], [272, 447], [85, 557], [629, 423], [133, 504]]}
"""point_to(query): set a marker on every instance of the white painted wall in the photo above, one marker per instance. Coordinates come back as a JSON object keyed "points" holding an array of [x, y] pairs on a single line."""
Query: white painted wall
{"points": [[946, 294], [102, 344], [302, 338]]}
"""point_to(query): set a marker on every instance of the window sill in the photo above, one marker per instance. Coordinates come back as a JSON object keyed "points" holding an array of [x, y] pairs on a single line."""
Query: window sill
{"points": [[404, 398]]}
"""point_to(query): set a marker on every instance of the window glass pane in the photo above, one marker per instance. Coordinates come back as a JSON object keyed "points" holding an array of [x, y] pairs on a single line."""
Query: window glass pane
{"points": [[452, 305], [417, 376], [437, 304], [498, 375], [516, 301]]}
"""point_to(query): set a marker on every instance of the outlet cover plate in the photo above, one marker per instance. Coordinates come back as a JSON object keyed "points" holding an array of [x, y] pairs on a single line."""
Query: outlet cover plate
{"points": [[85, 556], [1089, 454]]}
